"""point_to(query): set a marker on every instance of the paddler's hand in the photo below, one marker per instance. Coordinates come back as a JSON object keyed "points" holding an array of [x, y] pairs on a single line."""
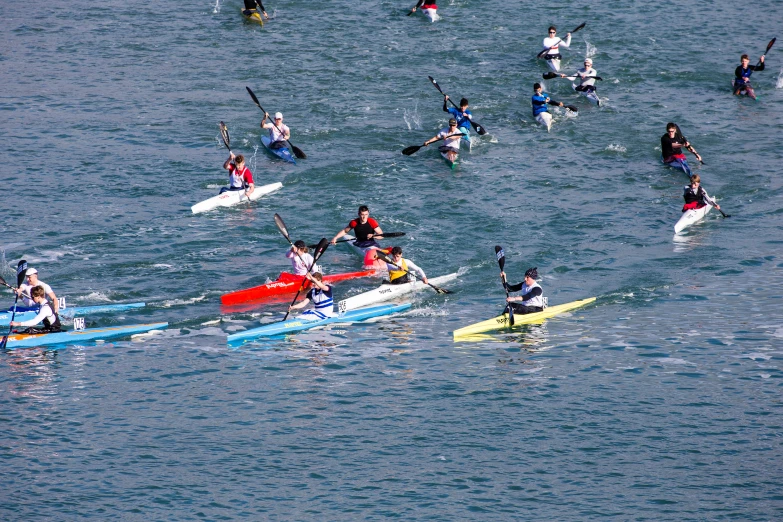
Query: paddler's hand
{"points": [[266, 15], [717, 206], [13, 323], [425, 280], [697, 155], [762, 61], [413, 10]]}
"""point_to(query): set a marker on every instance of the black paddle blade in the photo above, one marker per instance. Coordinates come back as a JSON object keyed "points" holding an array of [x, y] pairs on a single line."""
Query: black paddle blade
{"points": [[281, 227], [387, 235], [224, 135], [411, 150], [549, 75], [770, 44], [383, 257], [252, 95], [21, 272], [435, 84], [572, 108], [510, 315], [320, 249], [501, 255], [479, 128], [298, 152], [580, 26]]}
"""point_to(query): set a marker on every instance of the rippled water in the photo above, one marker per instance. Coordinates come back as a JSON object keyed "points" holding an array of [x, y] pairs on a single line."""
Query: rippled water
{"points": [[659, 402]]}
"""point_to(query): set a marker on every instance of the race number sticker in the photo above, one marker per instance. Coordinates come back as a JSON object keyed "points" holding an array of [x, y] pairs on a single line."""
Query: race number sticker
{"points": [[341, 306], [78, 324], [61, 302]]}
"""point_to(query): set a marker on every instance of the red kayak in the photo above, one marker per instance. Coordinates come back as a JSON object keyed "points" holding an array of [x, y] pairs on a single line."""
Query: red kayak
{"points": [[287, 283]]}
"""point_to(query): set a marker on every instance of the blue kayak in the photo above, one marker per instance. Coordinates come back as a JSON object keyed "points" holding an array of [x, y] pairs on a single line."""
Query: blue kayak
{"points": [[24, 313], [295, 325], [78, 337], [284, 153]]}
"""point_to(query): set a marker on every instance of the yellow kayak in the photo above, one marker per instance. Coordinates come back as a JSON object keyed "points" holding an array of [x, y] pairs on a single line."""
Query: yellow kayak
{"points": [[251, 15], [501, 321]]}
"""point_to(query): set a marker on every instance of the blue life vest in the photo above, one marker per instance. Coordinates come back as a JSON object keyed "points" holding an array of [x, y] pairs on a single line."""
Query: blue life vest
{"points": [[539, 103]]}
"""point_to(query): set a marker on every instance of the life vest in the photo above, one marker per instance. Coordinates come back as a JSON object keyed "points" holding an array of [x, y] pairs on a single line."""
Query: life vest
{"points": [[362, 230], [322, 299], [533, 301], [236, 179], [398, 273]]}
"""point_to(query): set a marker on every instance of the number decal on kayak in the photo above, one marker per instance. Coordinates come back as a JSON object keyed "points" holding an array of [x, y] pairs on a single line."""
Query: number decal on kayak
{"points": [[341, 306], [78, 324], [61, 302]]}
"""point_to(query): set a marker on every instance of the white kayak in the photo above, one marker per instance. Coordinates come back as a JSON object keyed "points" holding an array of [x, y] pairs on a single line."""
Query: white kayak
{"points": [[689, 217], [592, 96], [545, 119], [386, 292], [553, 64], [432, 14], [231, 198]]}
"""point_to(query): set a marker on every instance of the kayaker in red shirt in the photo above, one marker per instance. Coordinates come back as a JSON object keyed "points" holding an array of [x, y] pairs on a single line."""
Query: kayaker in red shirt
{"points": [[364, 229], [239, 176]]}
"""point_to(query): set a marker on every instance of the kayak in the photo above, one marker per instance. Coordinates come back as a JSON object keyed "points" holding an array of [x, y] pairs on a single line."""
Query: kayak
{"points": [[554, 65], [451, 158], [747, 91], [369, 264], [431, 14], [501, 321], [388, 291], [689, 217], [252, 15], [27, 313], [232, 198], [284, 153], [295, 325], [679, 164], [287, 283], [78, 337], [592, 96], [545, 119]]}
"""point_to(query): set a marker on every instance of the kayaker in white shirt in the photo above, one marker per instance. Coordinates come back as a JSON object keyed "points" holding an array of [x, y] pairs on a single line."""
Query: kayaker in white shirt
{"points": [[47, 316], [32, 281], [553, 43], [450, 143], [587, 77], [398, 270], [301, 259], [320, 295], [279, 133]]}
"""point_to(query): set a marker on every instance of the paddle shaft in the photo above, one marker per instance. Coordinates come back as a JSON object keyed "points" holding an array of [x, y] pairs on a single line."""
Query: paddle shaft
{"points": [[322, 245], [386, 235], [501, 256], [21, 270], [415, 148], [385, 259]]}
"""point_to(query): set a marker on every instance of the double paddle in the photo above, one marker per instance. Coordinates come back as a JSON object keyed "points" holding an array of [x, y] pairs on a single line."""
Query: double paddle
{"points": [[550, 75], [769, 46], [319, 250], [479, 128], [690, 147], [501, 255], [386, 259], [297, 151], [385, 235], [543, 52], [414, 148], [21, 272]]}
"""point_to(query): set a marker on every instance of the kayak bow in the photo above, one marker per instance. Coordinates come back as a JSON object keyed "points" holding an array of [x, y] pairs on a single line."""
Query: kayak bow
{"points": [[77, 337]]}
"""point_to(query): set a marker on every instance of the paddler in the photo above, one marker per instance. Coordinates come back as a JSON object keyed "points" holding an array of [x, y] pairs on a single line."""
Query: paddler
{"points": [[742, 76], [462, 115], [425, 4], [553, 44], [398, 270], [696, 197], [239, 176], [46, 314], [540, 100], [320, 295], [532, 298], [254, 5], [587, 77], [364, 229], [32, 281], [671, 148], [301, 259], [450, 136], [279, 133]]}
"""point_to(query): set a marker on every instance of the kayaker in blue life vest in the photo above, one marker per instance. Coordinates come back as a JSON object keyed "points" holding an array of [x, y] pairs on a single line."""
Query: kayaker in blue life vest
{"points": [[239, 176], [254, 5], [364, 229], [462, 115], [696, 197], [320, 295], [672, 144], [540, 100], [532, 298], [742, 76], [46, 315]]}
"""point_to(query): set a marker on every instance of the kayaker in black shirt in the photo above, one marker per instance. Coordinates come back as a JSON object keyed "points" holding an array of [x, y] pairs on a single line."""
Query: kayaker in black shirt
{"points": [[364, 229], [532, 298], [696, 197], [253, 5]]}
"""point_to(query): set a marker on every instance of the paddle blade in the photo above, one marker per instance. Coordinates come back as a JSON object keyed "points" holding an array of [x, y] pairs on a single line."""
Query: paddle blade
{"points": [[479, 128], [387, 235], [435, 84], [580, 26], [501, 255], [572, 108], [21, 272], [281, 227], [252, 95], [770, 44], [411, 150], [298, 152], [224, 135], [320, 249], [510, 315], [2, 282], [549, 75], [383, 257]]}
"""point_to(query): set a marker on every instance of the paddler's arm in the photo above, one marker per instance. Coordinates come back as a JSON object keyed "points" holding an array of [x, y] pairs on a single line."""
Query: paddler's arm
{"points": [[266, 125], [445, 106], [261, 6], [250, 188], [413, 267], [54, 302], [301, 304], [340, 234], [531, 294], [34, 321], [419, 4], [316, 283], [567, 42], [376, 232], [227, 164], [708, 199]]}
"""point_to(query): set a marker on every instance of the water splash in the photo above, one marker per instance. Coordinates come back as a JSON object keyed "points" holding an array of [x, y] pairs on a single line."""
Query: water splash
{"points": [[779, 82], [412, 118], [216, 10], [590, 50], [615, 148]]}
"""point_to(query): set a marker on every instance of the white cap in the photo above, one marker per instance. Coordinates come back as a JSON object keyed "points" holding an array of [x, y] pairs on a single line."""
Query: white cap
{"points": [[31, 271], [588, 60], [278, 115]]}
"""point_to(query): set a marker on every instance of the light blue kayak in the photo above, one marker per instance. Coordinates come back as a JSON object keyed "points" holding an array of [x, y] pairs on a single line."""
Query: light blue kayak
{"points": [[74, 337], [295, 325], [284, 153], [25, 313]]}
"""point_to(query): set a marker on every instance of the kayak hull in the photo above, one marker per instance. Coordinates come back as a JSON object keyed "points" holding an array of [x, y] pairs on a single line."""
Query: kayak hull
{"points": [[679, 164], [25, 314], [387, 292], [501, 321], [592, 97], [545, 119], [451, 158], [377, 265], [431, 14], [296, 325], [254, 16], [74, 337], [689, 217], [287, 283], [284, 153], [232, 198], [554, 65]]}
